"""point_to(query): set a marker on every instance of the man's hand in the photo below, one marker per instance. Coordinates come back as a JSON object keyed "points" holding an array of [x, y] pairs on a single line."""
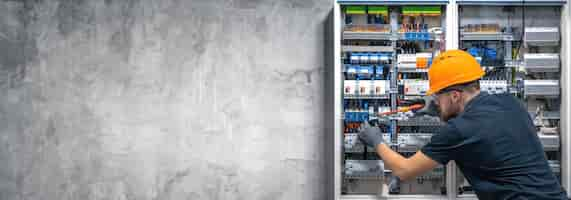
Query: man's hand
{"points": [[404, 168], [370, 135]]}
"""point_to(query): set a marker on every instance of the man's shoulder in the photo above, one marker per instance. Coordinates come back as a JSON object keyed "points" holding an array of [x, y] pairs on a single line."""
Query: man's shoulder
{"points": [[498, 100], [490, 107]]}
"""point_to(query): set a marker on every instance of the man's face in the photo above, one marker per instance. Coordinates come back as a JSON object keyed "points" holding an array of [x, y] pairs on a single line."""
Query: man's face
{"points": [[449, 104]]}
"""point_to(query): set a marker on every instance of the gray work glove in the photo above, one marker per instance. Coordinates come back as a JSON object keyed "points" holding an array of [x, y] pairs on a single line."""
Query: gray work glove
{"points": [[370, 135], [430, 108]]}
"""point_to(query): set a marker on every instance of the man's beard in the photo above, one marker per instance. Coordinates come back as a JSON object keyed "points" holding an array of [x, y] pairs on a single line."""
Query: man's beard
{"points": [[447, 116], [453, 111]]}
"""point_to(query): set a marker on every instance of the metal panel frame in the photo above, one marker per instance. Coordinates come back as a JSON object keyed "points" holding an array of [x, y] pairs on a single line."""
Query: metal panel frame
{"points": [[392, 2], [338, 102], [565, 99], [394, 197], [452, 43], [459, 2], [512, 2]]}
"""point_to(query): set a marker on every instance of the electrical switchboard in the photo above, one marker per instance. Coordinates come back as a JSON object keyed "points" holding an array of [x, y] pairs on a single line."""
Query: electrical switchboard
{"points": [[383, 51], [386, 51]]}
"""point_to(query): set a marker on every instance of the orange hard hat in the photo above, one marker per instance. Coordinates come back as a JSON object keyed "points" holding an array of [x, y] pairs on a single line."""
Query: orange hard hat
{"points": [[453, 67]]}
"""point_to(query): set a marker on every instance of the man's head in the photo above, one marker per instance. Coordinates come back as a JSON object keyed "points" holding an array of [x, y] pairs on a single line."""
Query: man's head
{"points": [[454, 79], [452, 100]]}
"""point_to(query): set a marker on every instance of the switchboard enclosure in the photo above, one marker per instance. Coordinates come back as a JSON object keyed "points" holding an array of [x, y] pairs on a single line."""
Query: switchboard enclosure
{"points": [[383, 51]]}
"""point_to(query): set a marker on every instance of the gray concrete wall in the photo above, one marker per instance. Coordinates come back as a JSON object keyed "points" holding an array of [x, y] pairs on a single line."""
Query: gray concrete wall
{"points": [[164, 99]]}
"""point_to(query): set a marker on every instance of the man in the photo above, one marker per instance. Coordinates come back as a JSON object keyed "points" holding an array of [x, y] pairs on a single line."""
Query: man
{"points": [[491, 137]]}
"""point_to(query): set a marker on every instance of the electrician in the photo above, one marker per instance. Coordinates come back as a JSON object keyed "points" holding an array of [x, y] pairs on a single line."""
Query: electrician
{"points": [[491, 137]]}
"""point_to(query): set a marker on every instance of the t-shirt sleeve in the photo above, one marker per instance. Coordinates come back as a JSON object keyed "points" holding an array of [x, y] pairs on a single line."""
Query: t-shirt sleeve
{"points": [[445, 145]]}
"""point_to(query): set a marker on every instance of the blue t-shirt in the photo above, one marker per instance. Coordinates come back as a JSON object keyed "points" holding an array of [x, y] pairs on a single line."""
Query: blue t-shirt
{"points": [[495, 145]]}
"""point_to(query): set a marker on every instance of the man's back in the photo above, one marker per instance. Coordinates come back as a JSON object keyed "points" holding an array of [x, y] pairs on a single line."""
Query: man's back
{"points": [[495, 144]]}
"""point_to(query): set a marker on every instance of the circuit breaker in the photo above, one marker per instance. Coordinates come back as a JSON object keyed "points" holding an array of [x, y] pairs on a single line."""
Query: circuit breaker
{"points": [[383, 51]]}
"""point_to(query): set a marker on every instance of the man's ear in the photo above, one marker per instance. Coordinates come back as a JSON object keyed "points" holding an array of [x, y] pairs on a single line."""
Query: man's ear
{"points": [[456, 96]]}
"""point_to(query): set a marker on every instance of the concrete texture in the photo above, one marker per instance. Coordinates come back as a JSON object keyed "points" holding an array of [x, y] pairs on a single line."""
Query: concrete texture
{"points": [[164, 99]]}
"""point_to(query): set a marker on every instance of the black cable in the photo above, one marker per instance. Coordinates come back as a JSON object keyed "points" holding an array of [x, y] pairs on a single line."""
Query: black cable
{"points": [[522, 28]]}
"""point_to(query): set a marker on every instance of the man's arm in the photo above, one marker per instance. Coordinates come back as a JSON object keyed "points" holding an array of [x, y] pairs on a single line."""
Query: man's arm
{"points": [[405, 168]]}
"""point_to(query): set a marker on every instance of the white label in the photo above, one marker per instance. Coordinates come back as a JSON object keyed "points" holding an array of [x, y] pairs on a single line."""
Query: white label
{"points": [[541, 56], [423, 55], [415, 87], [541, 29], [406, 58]]}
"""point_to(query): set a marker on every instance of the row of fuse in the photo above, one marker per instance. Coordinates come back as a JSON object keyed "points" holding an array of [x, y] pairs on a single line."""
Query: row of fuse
{"points": [[418, 129], [354, 127], [370, 58], [407, 47], [366, 87], [382, 87], [423, 36], [375, 168], [410, 87], [361, 72], [420, 87], [414, 28], [415, 32], [361, 111], [494, 86]]}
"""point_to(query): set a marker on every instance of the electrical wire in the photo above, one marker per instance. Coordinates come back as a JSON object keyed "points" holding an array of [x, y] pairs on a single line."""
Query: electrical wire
{"points": [[522, 28]]}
